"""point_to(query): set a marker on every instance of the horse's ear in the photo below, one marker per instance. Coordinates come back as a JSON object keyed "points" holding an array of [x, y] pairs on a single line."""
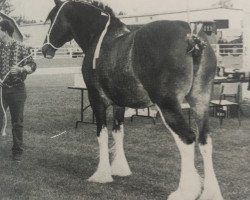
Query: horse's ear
{"points": [[57, 2]]}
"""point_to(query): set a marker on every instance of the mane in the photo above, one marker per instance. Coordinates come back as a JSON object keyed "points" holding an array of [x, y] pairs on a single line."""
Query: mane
{"points": [[97, 4]]}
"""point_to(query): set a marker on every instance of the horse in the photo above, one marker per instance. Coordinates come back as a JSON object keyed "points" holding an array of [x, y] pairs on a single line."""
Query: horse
{"points": [[160, 64]]}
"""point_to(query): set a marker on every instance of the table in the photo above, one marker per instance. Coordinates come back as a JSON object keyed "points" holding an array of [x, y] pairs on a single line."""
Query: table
{"points": [[148, 115], [82, 89], [184, 107]]}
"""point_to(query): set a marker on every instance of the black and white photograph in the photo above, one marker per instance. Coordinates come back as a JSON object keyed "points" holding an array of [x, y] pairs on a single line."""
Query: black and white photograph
{"points": [[124, 99]]}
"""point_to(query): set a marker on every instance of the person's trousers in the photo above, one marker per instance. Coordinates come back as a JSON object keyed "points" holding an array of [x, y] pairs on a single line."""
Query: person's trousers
{"points": [[14, 99]]}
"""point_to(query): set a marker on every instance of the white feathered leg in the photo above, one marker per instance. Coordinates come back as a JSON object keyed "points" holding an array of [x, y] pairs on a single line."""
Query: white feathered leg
{"points": [[190, 181], [103, 172], [211, 187], [119, 166]]}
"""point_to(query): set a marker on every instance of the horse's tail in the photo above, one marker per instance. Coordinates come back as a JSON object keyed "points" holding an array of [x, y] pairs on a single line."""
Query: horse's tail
{"points": [[203, 55]]}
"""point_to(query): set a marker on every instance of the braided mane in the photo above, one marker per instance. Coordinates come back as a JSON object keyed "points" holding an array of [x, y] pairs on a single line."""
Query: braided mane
{"points": [[98, 4]]}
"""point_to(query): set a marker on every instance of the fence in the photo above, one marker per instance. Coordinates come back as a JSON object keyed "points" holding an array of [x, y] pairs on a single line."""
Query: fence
{"points": [[228, 49], [60, 53], [220, 49]]}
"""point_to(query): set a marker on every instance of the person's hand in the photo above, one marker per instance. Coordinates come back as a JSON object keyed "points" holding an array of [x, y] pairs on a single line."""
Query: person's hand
{"points": [[16, 70], [1, 83]]}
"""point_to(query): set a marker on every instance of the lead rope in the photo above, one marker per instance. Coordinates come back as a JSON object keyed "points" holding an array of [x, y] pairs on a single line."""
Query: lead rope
{"points": [[4, 112], [1, 92]]}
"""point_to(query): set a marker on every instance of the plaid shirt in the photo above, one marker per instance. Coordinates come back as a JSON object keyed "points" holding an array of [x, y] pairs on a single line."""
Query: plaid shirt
{"points": [[10, 55]]}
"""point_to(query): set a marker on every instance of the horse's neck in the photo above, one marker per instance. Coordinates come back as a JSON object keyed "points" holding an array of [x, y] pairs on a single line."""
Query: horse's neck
{"points": [[118, 32], [85, 41], [90, 44], [113, 34]]}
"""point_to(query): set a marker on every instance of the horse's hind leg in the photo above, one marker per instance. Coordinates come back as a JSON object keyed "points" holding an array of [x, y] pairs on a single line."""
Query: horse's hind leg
{"points": [[103, 172], [199, 101], [119, 166], [172, 116]]}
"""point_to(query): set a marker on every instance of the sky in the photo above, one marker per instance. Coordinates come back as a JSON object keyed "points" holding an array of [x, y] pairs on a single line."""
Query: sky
{"points": [[39, 9]]}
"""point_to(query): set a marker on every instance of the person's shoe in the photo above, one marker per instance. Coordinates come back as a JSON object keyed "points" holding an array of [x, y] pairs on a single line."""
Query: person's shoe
{"points": [[17, 157]]}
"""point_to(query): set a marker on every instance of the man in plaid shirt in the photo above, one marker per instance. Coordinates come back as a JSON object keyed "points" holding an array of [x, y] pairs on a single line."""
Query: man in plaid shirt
{"points": [[13, 87]]}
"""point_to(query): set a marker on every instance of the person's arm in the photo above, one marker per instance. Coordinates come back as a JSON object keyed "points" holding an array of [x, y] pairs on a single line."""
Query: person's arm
{"points": [[29, 65]]}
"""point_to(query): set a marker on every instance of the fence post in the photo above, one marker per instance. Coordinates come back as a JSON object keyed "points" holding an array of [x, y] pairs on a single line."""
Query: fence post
{"points": [[35, 53], [70, 52]]}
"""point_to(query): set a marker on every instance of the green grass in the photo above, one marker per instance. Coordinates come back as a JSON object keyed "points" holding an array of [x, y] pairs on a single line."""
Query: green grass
{"points": [[57, 169]]}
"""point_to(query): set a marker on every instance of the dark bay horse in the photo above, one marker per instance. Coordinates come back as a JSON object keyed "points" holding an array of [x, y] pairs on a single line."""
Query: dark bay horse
{"points": [[161, 64]]}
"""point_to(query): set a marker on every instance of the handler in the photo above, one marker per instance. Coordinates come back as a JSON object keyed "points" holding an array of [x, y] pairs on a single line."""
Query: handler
{"points": [[13, 87]]}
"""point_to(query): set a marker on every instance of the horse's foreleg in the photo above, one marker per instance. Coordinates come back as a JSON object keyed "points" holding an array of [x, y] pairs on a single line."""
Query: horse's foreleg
{"points": [[119, 166], [103, 172], [190, 181], [211, 189]]}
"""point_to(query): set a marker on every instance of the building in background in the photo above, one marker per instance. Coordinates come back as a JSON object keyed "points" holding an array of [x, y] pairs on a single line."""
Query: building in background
{"points": [[229, 21]]}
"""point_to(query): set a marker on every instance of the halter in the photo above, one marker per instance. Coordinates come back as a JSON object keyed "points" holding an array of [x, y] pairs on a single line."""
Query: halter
{"points": [[49, 32], [98, 46]]}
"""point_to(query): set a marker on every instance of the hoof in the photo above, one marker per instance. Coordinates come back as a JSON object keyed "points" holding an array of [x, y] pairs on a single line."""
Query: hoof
{"points": [[4, 133], [188, 192], [211, 190], [120, 167], [181, 195], [120, 170], [211, 195], [101, 177]]}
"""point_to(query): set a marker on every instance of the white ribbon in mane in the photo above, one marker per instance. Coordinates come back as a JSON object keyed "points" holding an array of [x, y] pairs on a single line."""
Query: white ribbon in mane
{"points": [[98, 46]]}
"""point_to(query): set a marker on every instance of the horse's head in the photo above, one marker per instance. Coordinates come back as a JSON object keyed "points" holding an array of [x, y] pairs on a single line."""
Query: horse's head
{"points": [[59, 32], [82, 20]]}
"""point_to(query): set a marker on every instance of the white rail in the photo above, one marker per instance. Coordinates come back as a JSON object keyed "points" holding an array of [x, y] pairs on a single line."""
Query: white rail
{"points": [[228, 49], [60, 53]]}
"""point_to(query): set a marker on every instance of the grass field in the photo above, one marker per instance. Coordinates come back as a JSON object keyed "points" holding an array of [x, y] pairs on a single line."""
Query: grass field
{"points": [[57, 169]]}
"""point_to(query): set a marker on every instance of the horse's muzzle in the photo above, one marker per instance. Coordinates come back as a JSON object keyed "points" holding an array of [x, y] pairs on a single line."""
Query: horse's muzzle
{"points": [[48, 51]]}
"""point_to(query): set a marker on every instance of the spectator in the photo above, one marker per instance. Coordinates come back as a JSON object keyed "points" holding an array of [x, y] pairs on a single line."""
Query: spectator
{"points": [[13, 87]]}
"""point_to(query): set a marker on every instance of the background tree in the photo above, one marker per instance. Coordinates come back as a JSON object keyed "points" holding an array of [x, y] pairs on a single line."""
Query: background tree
{"points": [[224, 4], [22, 20], [6, 7]]}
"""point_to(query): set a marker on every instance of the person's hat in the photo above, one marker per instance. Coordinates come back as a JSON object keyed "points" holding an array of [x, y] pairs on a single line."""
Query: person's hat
{"points": [[6, 26]]}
